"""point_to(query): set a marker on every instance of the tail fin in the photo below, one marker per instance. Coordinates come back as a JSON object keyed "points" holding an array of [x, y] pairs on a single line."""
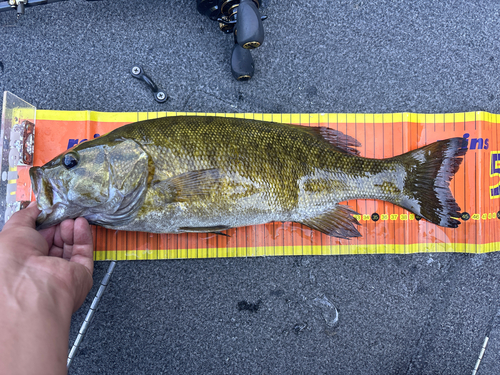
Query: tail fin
{"points": [[427, 186]]}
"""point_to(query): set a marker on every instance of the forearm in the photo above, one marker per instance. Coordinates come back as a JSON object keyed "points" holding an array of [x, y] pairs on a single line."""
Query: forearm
{"points": [[34, 330]]}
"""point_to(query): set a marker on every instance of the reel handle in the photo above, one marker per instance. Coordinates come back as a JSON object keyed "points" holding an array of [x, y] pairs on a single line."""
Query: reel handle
{"points": [[242, 65], [249, 30]]}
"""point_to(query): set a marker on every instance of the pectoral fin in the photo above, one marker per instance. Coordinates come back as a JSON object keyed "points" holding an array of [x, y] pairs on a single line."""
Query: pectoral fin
{"points": [[338, 222], [193, 185], [215, 229]]}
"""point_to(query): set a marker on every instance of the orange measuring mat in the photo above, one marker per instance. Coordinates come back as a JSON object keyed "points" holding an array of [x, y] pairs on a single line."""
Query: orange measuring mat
{"points": [[385, 228]]}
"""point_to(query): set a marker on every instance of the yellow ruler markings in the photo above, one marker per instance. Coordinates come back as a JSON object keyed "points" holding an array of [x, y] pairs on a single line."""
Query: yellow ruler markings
{"points": [[316, 250]]}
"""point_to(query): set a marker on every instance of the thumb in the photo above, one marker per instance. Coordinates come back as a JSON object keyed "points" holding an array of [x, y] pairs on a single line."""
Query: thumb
{"points": [[24, 218], [82, 279], [82, 260], [83, 245]]}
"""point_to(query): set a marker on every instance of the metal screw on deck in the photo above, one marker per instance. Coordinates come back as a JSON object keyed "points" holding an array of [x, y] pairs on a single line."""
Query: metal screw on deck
{"points": [[90, 314], [160, 96]]}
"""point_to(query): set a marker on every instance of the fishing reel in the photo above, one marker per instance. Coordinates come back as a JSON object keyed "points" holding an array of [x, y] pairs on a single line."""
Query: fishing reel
{"points": [[19, 5], [242, 18]]}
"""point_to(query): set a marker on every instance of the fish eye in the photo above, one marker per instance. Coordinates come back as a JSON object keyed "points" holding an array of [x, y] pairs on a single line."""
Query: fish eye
{"points": [[70, 160]]}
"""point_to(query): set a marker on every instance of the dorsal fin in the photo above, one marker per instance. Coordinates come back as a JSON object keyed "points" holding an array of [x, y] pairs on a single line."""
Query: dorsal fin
{"points": [[342, 142]]}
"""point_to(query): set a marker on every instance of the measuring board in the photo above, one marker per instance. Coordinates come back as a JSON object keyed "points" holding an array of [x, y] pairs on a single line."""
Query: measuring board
{"points": [[385, 228]]}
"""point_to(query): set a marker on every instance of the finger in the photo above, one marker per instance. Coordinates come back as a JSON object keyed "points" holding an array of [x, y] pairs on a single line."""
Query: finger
{"points": [[24, 218], [48, 234], [83, 244], [58, 241], [67, 229], [56, 252]]}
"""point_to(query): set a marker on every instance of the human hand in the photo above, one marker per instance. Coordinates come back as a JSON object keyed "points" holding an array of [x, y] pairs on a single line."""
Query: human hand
{"points": [[60, 256], [44, 277]]}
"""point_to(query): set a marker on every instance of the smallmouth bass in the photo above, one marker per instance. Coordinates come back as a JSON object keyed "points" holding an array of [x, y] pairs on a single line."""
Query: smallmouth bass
{"points": [[209, 174]]}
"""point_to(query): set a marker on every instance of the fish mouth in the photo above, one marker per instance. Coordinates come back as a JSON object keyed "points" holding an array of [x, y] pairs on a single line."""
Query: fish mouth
{"points": [[43, 196], [36, 179], [51, 216], [52, 213]]}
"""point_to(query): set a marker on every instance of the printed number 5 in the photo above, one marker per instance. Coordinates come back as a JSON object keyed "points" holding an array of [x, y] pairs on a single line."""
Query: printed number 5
{"points": [[495, 171]]}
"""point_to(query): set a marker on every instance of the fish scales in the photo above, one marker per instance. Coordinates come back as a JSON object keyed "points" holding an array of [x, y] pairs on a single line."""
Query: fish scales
{"points": [[195, 174], [261, 160]]}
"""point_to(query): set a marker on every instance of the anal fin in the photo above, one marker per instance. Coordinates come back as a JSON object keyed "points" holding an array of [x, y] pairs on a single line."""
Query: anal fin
{"points": [[337, 222]]}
